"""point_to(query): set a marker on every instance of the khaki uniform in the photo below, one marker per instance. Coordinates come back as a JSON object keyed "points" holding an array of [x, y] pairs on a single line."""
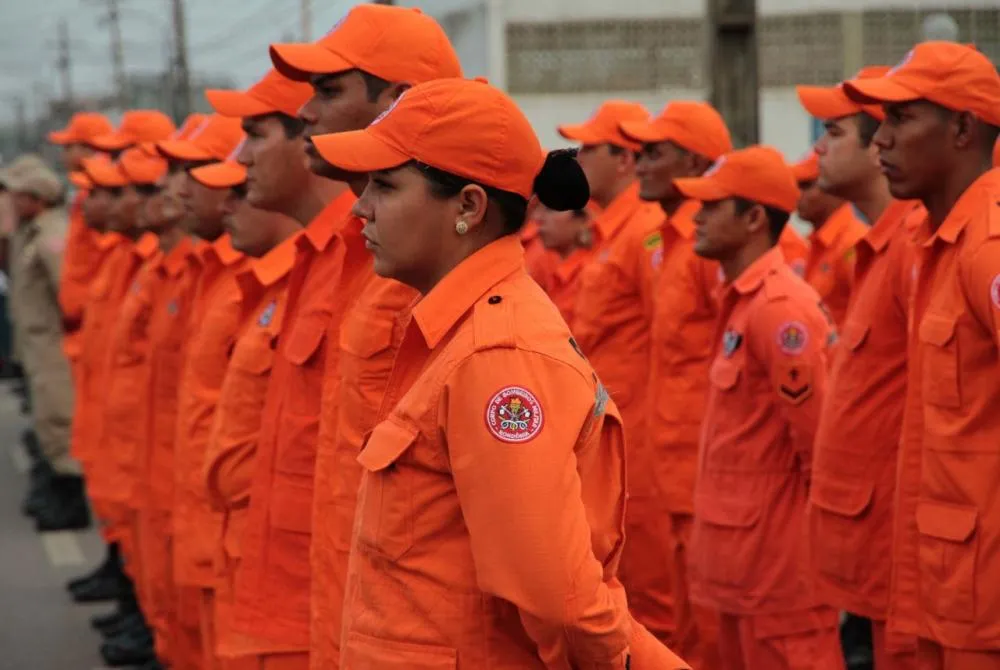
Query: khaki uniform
{"points": [[36, 258]]}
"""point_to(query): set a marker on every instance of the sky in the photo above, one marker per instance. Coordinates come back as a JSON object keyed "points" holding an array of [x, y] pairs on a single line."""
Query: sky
{"points": [[227, 37]]}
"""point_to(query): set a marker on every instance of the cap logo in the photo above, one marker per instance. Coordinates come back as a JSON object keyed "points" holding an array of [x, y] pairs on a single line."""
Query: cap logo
{"points": [[906, 59], [378, 119], [716, 166]]}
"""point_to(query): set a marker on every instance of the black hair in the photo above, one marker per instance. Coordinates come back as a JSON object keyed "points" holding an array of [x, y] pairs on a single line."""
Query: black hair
{"points": [[147, 189], [560, 185], [776, 218], [867, 127], [616, 150], [292, 125], [375, 86], [992, 134]]}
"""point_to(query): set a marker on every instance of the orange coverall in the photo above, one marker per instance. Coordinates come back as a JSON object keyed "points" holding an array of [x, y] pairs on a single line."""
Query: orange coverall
{"points": [[855, 454], [491, 510], [795, 249], [747, 554], [945, 572], [830, 264], [82, 260]]}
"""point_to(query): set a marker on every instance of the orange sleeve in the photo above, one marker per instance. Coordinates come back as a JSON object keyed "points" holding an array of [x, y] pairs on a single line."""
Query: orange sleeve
{"points": [[790, 339], [523, 503], [980, 277]]}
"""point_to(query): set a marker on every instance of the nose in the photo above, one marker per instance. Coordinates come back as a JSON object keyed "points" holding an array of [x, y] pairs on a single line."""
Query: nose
{"points": [[243, 156], [883, 136], [821, 145], [308, 112], [362, 206]]}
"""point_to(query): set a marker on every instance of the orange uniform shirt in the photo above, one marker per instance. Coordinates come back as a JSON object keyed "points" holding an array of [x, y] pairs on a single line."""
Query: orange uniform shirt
{"points": [[561, 281], [766, 387], [945, 573], [490, 514], [215, 318], [795, 249], [615, 303], [830, 265], [273, 579], [232, 447], [353, 389], [854, 462], [82, 260]]}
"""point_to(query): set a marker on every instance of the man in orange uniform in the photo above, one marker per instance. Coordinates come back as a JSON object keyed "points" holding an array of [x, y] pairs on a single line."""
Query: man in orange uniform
{"points": [[942, 106], [854, 464], [277, 182], [766, 388], [570, 235], [212, 322], [337, 337], [829, 266], [681, 142]]}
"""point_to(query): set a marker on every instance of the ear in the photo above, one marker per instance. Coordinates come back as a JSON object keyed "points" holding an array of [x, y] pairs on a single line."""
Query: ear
{"points": [[698, 164], [964, 129], [390, 95], [472, 202], [626, 162], [756, 221]]}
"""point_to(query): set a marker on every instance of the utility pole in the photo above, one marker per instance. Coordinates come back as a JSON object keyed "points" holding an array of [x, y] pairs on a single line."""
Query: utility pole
{"points": [[113, 22], [306, 17], [733, 67], [182, 73], [63, 64], [21, 112]]}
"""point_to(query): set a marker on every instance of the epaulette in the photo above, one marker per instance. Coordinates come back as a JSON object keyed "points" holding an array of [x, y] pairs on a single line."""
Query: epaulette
{"points": [[493, 323], [776, 289]]}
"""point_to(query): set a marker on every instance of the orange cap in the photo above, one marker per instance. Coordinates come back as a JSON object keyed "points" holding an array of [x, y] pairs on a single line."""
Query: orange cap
{"points": [[103, 172], [272, 94], [604, 126], [80, 180], [140, 168], [138, 125], [831, 102], [695, 126], [807, 169], [226, 174], [399, 44], [954, 76], [212, 140], [433, 123], [758, 174], [83, 127]]}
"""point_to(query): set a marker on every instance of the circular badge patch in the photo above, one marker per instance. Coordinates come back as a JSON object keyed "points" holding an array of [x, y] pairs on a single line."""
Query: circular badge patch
{"points": [[995, 292], [792, 338], [514, 415], [799, 267]]}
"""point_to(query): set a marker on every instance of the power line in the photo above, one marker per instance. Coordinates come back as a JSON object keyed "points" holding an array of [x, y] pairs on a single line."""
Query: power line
{"points": [[63, 62]]}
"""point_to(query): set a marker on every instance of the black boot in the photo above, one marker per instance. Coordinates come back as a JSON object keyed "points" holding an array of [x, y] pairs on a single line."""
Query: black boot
{"points": [[131, 648], [40, 493], [856, 641], [69, 510], [111, 567], [127, 615], [153, 665]]}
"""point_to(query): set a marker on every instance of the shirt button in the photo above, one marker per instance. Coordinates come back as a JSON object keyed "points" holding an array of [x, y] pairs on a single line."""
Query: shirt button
{"points": [[494, 300]]}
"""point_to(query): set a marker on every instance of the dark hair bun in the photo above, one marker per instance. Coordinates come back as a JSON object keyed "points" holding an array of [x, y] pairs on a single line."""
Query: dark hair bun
{"points": [[561, 184]]}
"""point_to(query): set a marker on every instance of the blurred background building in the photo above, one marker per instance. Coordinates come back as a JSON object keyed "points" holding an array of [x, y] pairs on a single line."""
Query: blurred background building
{"points": [[559, 58]]}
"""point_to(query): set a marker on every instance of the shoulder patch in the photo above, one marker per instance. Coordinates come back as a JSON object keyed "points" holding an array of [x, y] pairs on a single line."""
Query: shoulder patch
{"points": [[514, 415], [267, 316], [652, 241], [995, 292], [601, 398], [793, 382], [731, 341], [798, 267], [792, 338]]}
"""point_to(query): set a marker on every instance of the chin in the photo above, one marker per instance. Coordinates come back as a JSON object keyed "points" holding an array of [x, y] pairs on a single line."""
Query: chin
{"points": [[900, 190]]}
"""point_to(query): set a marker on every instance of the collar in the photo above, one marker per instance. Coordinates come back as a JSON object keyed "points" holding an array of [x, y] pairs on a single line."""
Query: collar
{"points": [[107, 241], [571, 265], [834, 226], [885, 228], [682, 220], [752, 277], [223, 251], [621, 209], [174, 262], [322, 229], [963, 211], [147, 246], [273, 266], [438, 311]]}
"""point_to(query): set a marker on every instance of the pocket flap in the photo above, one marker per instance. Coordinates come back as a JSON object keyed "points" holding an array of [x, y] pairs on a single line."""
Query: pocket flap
{"points": [[305, 339], [937, 329], [846, 498], [855, 334], [727, 512], [388, 441], [954, 523], [255, 358], [291, 505], [368, 336], [363, 651], [724, 374]]}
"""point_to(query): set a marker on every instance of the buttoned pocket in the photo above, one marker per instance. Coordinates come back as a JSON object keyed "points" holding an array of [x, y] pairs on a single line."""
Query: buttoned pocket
{"points": [[724, 374], [839, 544], [728, 539], [362, 652], [948, 547], [939, 349], [385, 514], [855, 335]]}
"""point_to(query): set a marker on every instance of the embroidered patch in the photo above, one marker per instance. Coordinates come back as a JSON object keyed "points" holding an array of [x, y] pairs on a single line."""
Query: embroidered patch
{"points": [[849, 255], [825, 267], [514, 415], [172, 308], [600, 400], [731, 341], [799, 267], [652, 241], [656, 259], [995, 292], [265, 318], [793, 382], [792, 338]]}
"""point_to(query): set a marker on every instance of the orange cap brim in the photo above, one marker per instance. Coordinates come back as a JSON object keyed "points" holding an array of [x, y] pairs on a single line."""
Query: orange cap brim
{"points": [[111, 142], [704, 189], [805, 171], [299, 61], [581, 133], [80, 179], [104, 173], [220, 175], [878, 90], [644, 131], [183, 150], [358, 151], [60, 137], [237, 104], [826, 103]]}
